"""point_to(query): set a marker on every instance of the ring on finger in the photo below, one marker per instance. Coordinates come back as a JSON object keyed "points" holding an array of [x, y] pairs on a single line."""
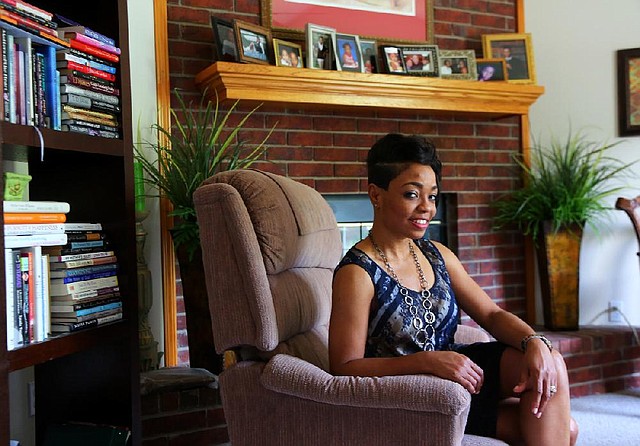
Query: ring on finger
{"points": [[552, 389]]}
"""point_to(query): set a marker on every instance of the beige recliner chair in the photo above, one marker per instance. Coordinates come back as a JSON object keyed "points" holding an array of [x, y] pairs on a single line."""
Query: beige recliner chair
{"points": [[270, 245]]}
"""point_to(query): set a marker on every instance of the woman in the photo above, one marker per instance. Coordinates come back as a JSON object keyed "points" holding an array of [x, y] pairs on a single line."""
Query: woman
{"points": [[395, 311]]}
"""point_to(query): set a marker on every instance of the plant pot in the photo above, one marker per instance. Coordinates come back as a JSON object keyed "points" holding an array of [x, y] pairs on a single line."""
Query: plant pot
{"points": [[202, 353], [558, 263]]}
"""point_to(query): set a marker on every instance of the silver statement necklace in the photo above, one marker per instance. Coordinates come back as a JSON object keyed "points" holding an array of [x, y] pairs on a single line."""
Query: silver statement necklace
{"points": [[425, 333]]}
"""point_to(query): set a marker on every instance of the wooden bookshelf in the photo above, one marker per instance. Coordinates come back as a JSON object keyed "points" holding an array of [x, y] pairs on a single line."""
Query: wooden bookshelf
{"points": [[342, 90], [90, 375]]}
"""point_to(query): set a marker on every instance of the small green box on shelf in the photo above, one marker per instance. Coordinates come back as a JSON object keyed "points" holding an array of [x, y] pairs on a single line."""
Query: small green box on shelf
{"points": [[15, 185]]}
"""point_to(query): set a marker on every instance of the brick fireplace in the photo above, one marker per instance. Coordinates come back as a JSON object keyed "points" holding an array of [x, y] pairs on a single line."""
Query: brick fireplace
{"points": [[326, 149]]}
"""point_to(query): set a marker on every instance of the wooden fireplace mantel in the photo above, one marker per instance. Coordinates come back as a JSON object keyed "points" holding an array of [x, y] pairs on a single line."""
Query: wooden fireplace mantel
{"points": [[340, 90]]}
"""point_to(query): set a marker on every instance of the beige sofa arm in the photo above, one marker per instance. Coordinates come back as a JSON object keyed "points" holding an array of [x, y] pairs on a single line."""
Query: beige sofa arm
{"points": [[425, 393]]}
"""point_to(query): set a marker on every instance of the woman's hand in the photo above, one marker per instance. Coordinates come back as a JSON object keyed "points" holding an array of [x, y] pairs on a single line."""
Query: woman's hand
{"points": [[454, 367], [538, 375]]}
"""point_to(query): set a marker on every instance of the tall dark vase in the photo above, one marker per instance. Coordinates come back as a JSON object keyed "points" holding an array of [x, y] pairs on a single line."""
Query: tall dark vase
{"points": [[202, 353], [558, 264]]}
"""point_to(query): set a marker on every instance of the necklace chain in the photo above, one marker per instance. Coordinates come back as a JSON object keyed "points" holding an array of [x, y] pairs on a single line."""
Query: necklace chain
{"points": [[425, 333]]}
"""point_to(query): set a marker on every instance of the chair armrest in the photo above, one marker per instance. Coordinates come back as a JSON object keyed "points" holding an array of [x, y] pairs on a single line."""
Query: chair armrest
{"points": [[425, 393]]}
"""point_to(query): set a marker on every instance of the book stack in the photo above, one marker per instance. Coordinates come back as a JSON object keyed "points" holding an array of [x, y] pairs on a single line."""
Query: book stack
{"points": [[84, 286], [88, 69], [30, 85], [27, 230]]}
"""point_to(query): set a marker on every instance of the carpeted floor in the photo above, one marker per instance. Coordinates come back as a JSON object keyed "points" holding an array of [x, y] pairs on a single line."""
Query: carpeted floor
{"points": [[610, 419]]}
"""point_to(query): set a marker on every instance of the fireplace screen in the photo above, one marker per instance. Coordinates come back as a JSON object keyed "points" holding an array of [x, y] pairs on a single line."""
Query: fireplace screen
{"points": [[354, 214]]}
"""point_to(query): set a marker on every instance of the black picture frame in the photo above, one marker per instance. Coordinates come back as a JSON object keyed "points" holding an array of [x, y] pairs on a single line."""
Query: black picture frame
{"points": [[628, 61], [224, 38]]}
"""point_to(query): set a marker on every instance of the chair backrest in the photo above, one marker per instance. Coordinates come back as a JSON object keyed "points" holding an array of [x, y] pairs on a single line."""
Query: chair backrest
{"points": [[270, 245], [632, 207]]}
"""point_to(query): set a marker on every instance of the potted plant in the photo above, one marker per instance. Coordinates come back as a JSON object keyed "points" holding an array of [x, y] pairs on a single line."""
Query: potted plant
{"points": [[201, 144], [564, 188]]}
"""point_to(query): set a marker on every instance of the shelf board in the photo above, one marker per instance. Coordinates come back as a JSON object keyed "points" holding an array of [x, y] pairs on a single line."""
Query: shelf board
{"points": [[28, 136], [64, 345], [338, 89]]}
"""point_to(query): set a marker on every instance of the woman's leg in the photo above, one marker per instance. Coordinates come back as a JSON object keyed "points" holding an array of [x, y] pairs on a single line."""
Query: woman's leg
{"points": [[517, 424]]}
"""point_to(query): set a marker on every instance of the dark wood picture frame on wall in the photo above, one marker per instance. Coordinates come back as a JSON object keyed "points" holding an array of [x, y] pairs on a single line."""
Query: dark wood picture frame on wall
{"points": [[410, 22], [629, 91], [224, 37]]}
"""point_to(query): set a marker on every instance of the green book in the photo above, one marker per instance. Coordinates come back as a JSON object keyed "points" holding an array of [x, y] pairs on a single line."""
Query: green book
{"points": [[79, 434]]}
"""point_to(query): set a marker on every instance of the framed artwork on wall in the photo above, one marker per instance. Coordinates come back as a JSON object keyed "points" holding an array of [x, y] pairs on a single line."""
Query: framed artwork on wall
{"points": [[407, 21], [224, 38], [321, 44], [287, 54], [254, 42], [629, 91], [458, 64], [421, 60], [516, 49], [492, 70]]}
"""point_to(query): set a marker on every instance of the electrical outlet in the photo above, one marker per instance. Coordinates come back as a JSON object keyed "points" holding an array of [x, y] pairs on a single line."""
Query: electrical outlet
{"points": [[615, 311], [31, 397]]}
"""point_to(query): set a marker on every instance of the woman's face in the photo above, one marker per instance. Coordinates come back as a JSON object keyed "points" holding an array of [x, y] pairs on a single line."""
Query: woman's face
{"points": [[409, 204]]}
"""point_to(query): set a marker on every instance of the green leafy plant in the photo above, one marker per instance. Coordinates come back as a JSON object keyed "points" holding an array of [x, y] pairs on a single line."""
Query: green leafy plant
{"points": [[200, 145], [566, 184]]}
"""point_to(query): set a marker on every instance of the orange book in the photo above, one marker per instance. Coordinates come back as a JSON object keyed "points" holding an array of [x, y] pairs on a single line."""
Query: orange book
{"points": [[22, 217]]}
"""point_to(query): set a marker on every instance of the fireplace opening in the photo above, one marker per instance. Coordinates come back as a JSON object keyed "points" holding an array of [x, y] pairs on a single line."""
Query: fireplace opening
{"points": [[354, 214]]}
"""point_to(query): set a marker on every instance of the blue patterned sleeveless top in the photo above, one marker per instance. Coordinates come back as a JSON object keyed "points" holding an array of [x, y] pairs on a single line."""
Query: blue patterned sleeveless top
{"points": [[390, 331]]}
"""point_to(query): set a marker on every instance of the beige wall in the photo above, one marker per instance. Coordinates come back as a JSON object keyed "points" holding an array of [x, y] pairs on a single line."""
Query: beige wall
{"points": [[575, 46]]}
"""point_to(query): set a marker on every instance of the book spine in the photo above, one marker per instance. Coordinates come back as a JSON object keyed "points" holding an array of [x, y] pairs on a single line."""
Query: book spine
{"points": [[21, 105], [25, 47], [82, 263], [86, 285], [72, 89], [99, 308], [31, 217], [96, 35], [95, 322], [46, 297], [62, 318], [85, 61], [90, 85], [9, 299], [12, 79], [31, 229], [74, 236], [26, 269], [83, 256], [65, 307], [6, 115], [89, 276], [52, 106], [85, 69], [28, 23], [90, 294], [30, 9], [85, 270], [20, 322], [24, 241], [89, 131], [98, 52], [76, 100], [87, 40], [93, 125], [35, 266], [49, 207]]}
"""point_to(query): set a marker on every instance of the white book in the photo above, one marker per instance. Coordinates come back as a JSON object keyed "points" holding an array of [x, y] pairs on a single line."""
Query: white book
{"points": [[46, 301], [34, 228], [45, 207], [10, 304], [25, 241], [62, 289]]}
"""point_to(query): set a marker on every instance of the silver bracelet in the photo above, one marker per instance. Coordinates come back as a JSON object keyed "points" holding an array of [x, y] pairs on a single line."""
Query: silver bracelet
{"points": [[543, 338]]}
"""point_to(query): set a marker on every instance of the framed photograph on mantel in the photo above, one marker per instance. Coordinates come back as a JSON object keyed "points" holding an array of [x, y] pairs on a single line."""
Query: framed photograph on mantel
{"points": [[517, 52], [254, 42], [408, 21], [629, 91]]}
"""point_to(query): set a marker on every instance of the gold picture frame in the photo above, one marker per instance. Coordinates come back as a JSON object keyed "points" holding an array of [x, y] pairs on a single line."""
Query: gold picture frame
{"points": [[460, 63], [287, 54], [517, 51]]}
